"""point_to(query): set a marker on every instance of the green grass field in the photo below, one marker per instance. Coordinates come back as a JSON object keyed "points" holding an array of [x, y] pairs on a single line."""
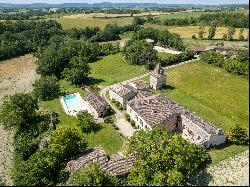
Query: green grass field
{"points": [[107, 137], [113, 69], [215, 95]]}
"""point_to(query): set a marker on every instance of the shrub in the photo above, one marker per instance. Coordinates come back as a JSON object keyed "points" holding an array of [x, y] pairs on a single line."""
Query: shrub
{"points": [[127, 117], [237, 135], [212, 57], [109, 119], [47, 87], [132, 122]]}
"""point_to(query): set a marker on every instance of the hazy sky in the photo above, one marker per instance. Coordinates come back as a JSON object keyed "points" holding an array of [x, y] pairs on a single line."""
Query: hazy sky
{"points": [[208, 2]]}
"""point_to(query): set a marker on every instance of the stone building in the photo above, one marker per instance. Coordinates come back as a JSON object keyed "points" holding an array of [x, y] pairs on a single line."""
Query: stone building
{"points": [[122, 93], [157, 77], [147, 110], [140, 85], [115, 164], [95, 105]]}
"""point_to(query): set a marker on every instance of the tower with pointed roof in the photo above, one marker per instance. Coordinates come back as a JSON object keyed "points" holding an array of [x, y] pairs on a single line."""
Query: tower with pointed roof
{"points": [[157, 77]]}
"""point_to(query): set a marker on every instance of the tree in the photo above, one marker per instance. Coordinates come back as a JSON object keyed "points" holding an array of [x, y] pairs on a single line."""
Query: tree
{"points": [[92, 175], [1, 182], [86, 122], [19, 111], [45, 166], [211, 31], [241, 37], [164, 160], [201, 32], [212, 57], [78, 71], [238, 135], [66, 142], [139, 52], [230, 34], [47, 87]]}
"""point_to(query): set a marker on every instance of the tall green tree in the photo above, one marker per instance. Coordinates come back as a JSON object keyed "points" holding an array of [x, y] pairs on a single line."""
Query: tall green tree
{"points": [[230, 34], [78, 70], [47, 88], [139, 52], [164, 160], [211, 31], [86, 122], [19, 111], [241, 37], [92, 175]]}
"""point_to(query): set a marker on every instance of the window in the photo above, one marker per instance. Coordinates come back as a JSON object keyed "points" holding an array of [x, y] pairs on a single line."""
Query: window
{"points": [[130, 110], [141, 122], [136, 117], [146, 126]]}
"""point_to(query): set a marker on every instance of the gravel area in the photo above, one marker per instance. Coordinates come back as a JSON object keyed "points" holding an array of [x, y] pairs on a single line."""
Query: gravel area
{"points": [[231, 172], [16, 75]]}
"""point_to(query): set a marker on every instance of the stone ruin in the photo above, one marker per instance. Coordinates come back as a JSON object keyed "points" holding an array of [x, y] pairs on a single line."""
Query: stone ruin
{"points": [[115, 164]]}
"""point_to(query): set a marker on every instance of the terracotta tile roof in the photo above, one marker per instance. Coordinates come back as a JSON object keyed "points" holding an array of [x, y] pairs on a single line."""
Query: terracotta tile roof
{"points": [[140, 85]]}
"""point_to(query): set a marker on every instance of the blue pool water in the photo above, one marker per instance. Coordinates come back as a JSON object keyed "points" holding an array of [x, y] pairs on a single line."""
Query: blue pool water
{"points": [[71, 101]]}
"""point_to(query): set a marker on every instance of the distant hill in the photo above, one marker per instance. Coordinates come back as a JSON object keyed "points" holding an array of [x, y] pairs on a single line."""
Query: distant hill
{"points": [[108, 4]]}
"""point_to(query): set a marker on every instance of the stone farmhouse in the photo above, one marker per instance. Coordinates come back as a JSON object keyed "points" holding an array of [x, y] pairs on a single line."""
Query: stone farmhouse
{"points": [[147, 110], [122, 93], [115, 164], [95, 105]]}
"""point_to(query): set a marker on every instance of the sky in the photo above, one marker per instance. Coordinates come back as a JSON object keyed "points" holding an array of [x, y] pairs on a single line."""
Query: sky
{"points": [[207, 2]]}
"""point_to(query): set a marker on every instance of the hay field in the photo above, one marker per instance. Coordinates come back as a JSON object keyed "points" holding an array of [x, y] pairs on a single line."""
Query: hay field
{"points": [[189, 31], [69, 23]]}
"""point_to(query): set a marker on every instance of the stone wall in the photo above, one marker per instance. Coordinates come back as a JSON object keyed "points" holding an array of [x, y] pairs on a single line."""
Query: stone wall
{"points": [[115, 96], [157, 83], [194, 133], [139, 122]]}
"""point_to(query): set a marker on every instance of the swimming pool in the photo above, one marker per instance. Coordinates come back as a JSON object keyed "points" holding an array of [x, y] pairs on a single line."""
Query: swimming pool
{"points": [[72, 102]]}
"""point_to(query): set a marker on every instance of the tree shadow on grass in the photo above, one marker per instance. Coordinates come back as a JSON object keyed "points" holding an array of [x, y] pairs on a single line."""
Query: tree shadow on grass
{"points": [[167, 88], [92, 81]]}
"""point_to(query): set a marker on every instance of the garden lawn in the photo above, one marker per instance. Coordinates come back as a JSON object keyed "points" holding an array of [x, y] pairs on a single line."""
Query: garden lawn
{"points": [[215, 95], [107, 137], [112, 69]]}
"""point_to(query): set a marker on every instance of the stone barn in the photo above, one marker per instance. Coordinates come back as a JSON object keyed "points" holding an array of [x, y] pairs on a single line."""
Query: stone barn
{"points": [[95, 105]]}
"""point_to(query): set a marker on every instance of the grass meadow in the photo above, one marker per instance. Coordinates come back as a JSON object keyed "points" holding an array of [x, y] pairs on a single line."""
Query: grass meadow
{"points": [[113, 69], [215, 95]]}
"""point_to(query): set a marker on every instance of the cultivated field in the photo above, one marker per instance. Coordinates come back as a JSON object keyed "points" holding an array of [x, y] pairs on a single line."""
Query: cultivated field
{"points": [[68, 23], [189, 31]]}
